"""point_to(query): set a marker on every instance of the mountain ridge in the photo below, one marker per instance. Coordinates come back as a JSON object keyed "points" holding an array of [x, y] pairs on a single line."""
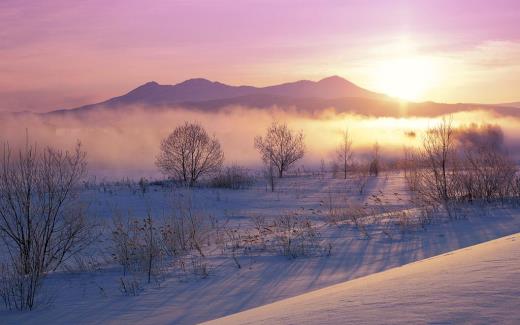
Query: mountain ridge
{"points": [[303, 96], [201, 90]]}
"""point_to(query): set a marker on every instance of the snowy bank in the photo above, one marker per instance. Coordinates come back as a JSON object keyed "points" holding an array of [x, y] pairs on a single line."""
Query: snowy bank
{"points": [[477, 285]]}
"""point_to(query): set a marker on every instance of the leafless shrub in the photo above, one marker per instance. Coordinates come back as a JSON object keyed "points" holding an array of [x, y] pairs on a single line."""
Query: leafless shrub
{"points": [[240, 242], [233, 177], [411, 169], [280, 147], [185, 229], [360, 215], [394, 220], [460, 165], [334, 167], [219, 232], [375, 163], [295, 236], [290, 235], [199, 266], [41, 222], [126, 238], [361, 179], [150, 248], [137, 246], [515, 186], [234, 243], [130, 286], [143, 185], [147, 246], [323, 169], [269, 175], [487, 172], [263, 229], [188, 153], [341, 210]]}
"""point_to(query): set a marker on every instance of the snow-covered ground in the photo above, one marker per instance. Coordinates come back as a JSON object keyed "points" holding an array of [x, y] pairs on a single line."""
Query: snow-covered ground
{"points": [[92, 296], [475, 285]]}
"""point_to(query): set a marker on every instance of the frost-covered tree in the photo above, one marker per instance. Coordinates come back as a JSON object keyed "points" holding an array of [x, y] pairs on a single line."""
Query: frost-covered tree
{"points": [[188, 153], [280, 147]]}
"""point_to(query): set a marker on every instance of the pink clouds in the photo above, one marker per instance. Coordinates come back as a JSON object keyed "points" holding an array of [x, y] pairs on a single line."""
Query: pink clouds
{"points": [[98, 49]]}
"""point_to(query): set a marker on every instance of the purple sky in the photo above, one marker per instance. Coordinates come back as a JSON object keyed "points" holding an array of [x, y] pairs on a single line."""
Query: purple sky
{"points": [[62, 53]]}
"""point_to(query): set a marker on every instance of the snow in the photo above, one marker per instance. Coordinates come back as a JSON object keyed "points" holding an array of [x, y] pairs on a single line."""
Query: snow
{"points": [[92, 296], [475, 285]]}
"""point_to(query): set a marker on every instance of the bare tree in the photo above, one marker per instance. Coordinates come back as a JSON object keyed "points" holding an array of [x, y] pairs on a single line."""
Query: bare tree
{"points": [[375, 167], [344, 151], [461, 165], [41, 223], [487, 170], [438, 152], [280, 147], [188, 153]]}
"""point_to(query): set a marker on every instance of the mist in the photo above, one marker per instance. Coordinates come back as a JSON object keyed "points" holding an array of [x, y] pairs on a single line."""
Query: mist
{"points": [[125, 144]]}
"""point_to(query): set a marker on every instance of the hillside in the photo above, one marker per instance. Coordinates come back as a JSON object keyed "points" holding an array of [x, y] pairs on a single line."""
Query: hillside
{"points": [[475, 285]]}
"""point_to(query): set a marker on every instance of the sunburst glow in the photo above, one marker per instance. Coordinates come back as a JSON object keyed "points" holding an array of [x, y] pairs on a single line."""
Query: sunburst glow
{"points": [[407, 78]]}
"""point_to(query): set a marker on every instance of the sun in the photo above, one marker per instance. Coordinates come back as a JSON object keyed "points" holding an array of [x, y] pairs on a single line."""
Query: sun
{"points": [[407, 78]]}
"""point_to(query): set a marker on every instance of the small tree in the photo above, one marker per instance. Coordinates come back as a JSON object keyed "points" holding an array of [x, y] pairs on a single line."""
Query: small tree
{"points": [[375, 167], [438, 153], [41, 224], [269, 174], [188, 153], [344, 152], [280, 147]]}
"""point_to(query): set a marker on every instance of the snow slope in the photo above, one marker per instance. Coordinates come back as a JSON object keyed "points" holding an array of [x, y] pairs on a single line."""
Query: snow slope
{"points": [[92, 295], [475, 285]]}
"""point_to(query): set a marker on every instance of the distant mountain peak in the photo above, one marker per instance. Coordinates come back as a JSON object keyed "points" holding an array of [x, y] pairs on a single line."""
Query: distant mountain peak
{"points": [[199, 90], [196, 81], [333, 78], [148, 85]]}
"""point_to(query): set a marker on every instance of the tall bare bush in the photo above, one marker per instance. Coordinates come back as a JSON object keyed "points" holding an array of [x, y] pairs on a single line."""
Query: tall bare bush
{"points": [[41, 222], [460, 165]]}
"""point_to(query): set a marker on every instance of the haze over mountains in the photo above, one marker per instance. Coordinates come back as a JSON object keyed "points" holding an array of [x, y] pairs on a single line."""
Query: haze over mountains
{"points": [[304, 96], [122, 135]]}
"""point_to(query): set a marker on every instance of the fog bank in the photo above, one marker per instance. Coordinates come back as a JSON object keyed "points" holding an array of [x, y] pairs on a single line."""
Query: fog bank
{"points": [[125, 144]]}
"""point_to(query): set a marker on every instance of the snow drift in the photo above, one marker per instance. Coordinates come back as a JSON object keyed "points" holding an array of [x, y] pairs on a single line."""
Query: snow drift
{"points": [[474, 285]]}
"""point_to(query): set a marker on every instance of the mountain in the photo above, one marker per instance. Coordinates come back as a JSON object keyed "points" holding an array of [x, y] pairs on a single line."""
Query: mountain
{"points": [[328, 88], [304, 96], [202, 90], [514, 104]]}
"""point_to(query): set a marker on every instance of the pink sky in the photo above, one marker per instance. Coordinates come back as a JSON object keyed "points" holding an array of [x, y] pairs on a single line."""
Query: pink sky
{"points": [[61, 54]]}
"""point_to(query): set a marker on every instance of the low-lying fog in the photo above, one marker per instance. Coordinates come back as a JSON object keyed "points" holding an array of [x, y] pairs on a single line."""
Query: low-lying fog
{"points": [[125, 144]]}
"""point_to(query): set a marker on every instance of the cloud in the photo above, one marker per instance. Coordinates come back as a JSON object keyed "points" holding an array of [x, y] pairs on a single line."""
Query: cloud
{"points": [[495, 54], [481, 136]]}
